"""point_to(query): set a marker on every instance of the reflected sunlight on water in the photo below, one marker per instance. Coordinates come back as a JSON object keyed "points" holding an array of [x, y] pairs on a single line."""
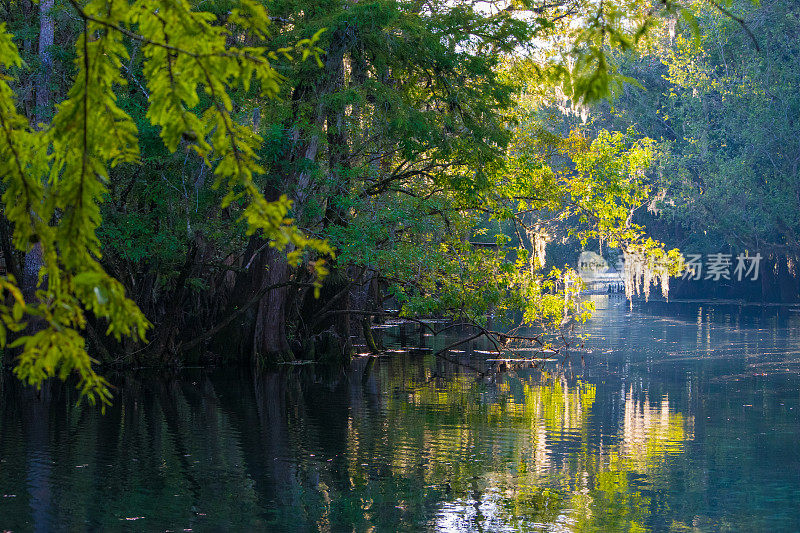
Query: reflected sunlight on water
{"points": [[552, 474], [678, 420]]}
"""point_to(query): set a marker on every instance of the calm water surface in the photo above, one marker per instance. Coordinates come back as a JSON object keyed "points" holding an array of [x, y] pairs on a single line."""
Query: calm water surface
{"points": [[683, 418]]}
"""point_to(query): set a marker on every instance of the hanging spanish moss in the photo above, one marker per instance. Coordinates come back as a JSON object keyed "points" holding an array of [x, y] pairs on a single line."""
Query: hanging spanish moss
{"points": [[539, 239], [641, 271]]}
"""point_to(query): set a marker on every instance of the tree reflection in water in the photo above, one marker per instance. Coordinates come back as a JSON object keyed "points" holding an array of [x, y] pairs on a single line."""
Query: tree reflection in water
{"points": [[307, 450], [552, 474]]}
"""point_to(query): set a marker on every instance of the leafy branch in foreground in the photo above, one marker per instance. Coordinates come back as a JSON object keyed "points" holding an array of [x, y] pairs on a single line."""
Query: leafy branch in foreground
{"points": [[56, 175]]}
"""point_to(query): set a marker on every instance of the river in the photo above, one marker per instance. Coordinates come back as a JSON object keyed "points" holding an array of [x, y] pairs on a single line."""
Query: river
{"points": [[679, 418]]}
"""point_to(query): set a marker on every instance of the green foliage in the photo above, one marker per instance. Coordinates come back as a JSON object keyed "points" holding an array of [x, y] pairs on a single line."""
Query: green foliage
{"points": [[434, 144], [721, 106], [395, 134], [56, 176]]}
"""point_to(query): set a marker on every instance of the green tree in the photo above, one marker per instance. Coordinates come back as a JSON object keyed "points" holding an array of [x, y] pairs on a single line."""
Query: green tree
{"points": [[205, 130], [55, 177], [722, 104]]}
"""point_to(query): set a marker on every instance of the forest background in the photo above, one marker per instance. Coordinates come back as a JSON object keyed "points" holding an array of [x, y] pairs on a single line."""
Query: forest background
{"points": [[262, 181]]}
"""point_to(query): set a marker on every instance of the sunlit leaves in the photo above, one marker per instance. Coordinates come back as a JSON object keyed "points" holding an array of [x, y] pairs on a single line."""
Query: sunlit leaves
{"points": [[56, 175]]}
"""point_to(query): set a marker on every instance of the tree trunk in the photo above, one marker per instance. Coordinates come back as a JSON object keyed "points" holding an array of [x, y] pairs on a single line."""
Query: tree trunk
{"points": [[33, 259], [7, 248], [164, 346], [269, 336], [339, 166], [30, 272], [46, 39]]}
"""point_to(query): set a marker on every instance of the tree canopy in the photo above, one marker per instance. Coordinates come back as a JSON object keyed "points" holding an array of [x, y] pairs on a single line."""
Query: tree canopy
{"points": [[279, 170]]}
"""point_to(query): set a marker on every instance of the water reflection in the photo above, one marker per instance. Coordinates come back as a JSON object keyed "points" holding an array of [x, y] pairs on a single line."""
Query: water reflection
{"points": [[556, 475], [646, 437], [402, 449]]}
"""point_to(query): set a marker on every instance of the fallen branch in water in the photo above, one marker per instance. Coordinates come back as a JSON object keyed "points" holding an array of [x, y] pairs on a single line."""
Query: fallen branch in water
{"points": [[499, 340], [440, 353]]}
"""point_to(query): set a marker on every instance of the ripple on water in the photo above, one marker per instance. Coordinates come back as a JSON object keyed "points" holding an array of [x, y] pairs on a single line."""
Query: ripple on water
{"points": [[708, 441]]}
